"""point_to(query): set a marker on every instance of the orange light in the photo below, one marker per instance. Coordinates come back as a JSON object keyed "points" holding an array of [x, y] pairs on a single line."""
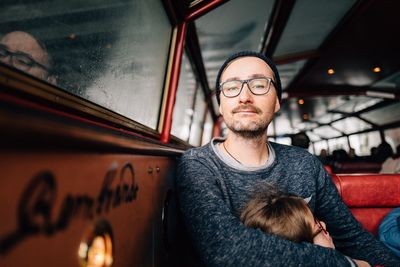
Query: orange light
{"points": [[301, 101], [331, 71], [376, 69]]}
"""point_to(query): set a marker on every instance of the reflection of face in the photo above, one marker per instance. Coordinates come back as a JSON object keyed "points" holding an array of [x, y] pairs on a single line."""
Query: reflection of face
{"points": [[25, 43], [248, 114]]}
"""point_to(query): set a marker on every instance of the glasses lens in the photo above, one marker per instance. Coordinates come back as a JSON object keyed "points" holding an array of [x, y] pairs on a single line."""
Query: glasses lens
{"points": [[231, 88], [260, 86], [22, 62]]}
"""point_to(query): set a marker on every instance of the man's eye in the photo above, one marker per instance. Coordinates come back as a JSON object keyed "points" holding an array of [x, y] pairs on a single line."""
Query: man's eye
{"points": [[232, 88], [24, 61], [259, 86]]}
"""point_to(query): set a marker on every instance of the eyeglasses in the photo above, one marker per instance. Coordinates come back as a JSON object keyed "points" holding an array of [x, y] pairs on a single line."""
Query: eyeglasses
{"points": [[20, 60], [257, 86], [320, 227]]}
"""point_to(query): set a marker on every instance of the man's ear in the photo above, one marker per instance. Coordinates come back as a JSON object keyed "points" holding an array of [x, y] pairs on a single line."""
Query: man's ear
{"points": [[277, 105]]}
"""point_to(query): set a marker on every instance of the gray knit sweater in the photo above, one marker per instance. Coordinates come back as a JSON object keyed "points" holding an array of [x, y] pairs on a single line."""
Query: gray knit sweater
{"points": [[212, 194]]}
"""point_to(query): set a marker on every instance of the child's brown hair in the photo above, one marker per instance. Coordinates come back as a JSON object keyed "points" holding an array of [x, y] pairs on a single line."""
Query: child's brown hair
{"points": [[275, 212]]}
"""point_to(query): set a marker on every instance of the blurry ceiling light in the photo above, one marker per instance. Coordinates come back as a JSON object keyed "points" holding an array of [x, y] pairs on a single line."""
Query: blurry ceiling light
{"points": [[331, 71], [72, 36], [301, 101], [376, 69]]}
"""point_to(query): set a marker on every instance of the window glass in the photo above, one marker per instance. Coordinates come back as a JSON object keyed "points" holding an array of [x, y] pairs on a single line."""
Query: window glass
{"points": [[318, 146], [208, 129], [326, 132], [357, 103], [196, 128], [384, 115], [244, 32], [351, 125], [362, 143], [184, 105], [306, 35], [283, 140], [113, 53], [392, 136], [338, 143]]}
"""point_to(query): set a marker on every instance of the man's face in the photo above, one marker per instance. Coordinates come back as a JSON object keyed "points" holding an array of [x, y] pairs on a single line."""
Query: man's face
{"points": [[21, 43], [248, 114]]}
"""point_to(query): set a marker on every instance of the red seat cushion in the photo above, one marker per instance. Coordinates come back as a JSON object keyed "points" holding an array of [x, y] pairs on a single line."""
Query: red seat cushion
{"points": [[369, 196]]}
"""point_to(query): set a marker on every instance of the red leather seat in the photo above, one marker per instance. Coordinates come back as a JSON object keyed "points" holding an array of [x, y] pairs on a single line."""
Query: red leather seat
{"points": [[369, 196], [358, 167]]}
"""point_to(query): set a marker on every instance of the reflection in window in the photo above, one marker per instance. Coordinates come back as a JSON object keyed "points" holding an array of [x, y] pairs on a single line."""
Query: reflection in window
{"points": [[184, 102], [113, 53]]}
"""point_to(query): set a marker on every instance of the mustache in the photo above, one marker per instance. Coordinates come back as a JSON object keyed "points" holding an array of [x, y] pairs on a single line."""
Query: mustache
{"points": [[246, 107]]}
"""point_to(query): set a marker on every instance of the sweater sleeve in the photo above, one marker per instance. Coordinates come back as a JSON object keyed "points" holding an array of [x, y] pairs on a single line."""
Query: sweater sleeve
{"points": [[222, 240], [349, 236]]}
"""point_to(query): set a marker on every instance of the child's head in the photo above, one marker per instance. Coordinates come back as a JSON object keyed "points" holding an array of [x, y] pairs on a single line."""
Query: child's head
{"points": [[285, 215]]}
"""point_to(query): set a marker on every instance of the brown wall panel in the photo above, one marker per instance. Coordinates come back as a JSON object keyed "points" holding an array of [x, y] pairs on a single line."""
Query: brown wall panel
{"points": [[49, 201]]}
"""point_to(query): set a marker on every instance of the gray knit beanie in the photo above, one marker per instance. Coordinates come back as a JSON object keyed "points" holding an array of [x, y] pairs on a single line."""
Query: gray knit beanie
{"points": [[269, 62]]}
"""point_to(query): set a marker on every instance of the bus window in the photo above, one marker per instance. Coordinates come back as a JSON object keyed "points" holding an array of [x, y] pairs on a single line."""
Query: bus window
{"points": [[338, 143], [184, 103], [112, 53], [207, 130], [362, 143], [196, 128], [351, 125]]}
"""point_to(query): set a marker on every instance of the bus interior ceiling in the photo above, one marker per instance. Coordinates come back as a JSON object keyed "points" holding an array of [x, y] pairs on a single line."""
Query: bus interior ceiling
{"points": [[338, 61]]}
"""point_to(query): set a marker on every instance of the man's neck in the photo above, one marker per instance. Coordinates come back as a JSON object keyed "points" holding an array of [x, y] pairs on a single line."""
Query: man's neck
{"points": [[248, 151]]}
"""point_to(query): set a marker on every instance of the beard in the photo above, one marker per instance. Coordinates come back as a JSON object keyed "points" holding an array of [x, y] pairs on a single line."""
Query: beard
{"points": [[249, 129], [252, 130]]}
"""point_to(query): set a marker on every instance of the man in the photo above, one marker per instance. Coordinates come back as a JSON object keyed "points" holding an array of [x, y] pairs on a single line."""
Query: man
{"points": [[215, 182], [22, 51]]}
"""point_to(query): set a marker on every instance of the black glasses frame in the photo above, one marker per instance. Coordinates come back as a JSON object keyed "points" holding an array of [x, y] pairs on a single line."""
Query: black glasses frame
{"points": [[270, 81], [29, 62]]}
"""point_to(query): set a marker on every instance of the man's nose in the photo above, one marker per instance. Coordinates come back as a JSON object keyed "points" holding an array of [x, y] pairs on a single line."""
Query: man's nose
{"points": [[246, 95]]}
